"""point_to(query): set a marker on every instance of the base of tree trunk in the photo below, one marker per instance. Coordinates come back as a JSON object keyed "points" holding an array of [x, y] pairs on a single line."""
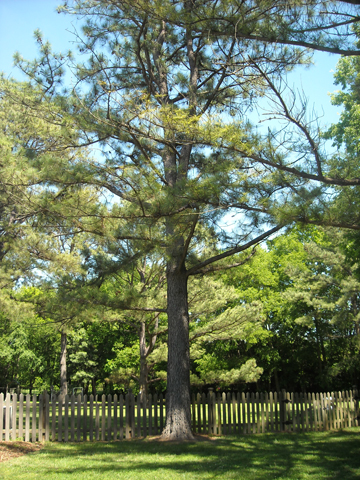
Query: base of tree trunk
{"points": [[196, 437], [177, 436], [177, 429]]}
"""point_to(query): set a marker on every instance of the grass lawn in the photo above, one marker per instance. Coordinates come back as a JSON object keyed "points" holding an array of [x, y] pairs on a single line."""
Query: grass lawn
{"points": [[317, 456]]}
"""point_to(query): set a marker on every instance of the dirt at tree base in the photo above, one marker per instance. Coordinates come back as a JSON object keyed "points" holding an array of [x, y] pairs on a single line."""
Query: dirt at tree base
{"points": [[198, 437], [9, 450]]}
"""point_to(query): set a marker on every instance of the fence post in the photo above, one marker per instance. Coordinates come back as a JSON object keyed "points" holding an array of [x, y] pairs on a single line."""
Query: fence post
{"points": [[91, 418], [282, 410], [115, 425], [2, 416], [13, 415], [121, 418], [138, 413], [60, 412], [33, 423], [127, 416], [66, 418], [7, 417], [218, 400], [109, 402], [156, 414], [85, 422], [356, 406], [150, 414], [211, 412], [46, 416]]}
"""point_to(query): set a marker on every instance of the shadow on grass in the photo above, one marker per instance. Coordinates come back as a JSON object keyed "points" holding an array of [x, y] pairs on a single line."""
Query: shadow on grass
{"points": [[329, 455]]}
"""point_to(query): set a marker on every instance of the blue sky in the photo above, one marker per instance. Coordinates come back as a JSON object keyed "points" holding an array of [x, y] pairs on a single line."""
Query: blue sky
{"points": [[19, 19]]}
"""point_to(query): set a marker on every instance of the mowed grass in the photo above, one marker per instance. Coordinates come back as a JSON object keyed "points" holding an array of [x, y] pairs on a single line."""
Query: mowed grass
{"points": [[320, 455]]}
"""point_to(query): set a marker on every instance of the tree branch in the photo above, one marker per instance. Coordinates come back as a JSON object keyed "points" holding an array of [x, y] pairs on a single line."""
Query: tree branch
{"points": [[228, 253]]}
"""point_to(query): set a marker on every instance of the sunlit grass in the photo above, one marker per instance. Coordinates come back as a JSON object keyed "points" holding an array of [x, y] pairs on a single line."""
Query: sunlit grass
{"points": [[317, 456]]}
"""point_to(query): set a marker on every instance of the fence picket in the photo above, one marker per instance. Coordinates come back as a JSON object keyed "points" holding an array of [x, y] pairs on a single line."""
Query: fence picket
{"points": [[248, 413], [144, 416], [331, 411], [264, 400], [156, 414], [161, 412], [47, 417], [198, 408], [270, 427], [257, 412], [341, 410], [150, 414], [21, 416], [239, 407], [132, 410], [243, 414], [103, 417], [324, 408], [203, 402], [293, 410], [2, 416], [72, 421], [138, 415], [41, 417], [53, 417], [229, 416], [13, 416], [115, 424], [252, 413], [213, 411], [306, 411], [85, 422], [349, 402], [193, 412], [127, 411], [313, 423], [277, 411], [301, 426], [97, 420], [109, 403], [121, 407], [91, 418], [219, 425], [356, 407], [60, 412], [7, 417], [66, 418]]}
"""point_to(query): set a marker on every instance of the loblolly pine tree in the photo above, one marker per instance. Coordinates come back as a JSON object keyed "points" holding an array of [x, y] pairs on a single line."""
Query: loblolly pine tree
{"points": [[165, 92]]}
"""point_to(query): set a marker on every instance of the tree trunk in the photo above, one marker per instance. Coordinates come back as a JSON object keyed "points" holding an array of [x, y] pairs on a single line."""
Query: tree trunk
{"points": [[63, 369], [143, 380], [93, 386], [178, 415]]}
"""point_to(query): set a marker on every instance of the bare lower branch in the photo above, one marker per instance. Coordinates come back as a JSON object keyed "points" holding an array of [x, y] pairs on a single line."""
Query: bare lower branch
{"points": [[228, 253], [216, 268]]}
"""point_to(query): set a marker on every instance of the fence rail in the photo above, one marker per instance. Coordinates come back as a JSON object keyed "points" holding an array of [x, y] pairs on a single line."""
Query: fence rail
{"points": [[81, 418]]}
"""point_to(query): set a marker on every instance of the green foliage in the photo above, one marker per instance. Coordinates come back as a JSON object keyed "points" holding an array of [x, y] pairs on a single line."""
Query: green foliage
{"points": [[29, 352]]}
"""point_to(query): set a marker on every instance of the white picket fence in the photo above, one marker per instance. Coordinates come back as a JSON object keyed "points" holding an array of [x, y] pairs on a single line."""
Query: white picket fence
{"points": [[38, 417]]}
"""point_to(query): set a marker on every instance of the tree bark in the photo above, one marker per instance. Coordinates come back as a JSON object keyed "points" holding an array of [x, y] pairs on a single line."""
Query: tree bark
{"points": [[63, 368], [93, 386], [143, 378], [178, 415]]}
